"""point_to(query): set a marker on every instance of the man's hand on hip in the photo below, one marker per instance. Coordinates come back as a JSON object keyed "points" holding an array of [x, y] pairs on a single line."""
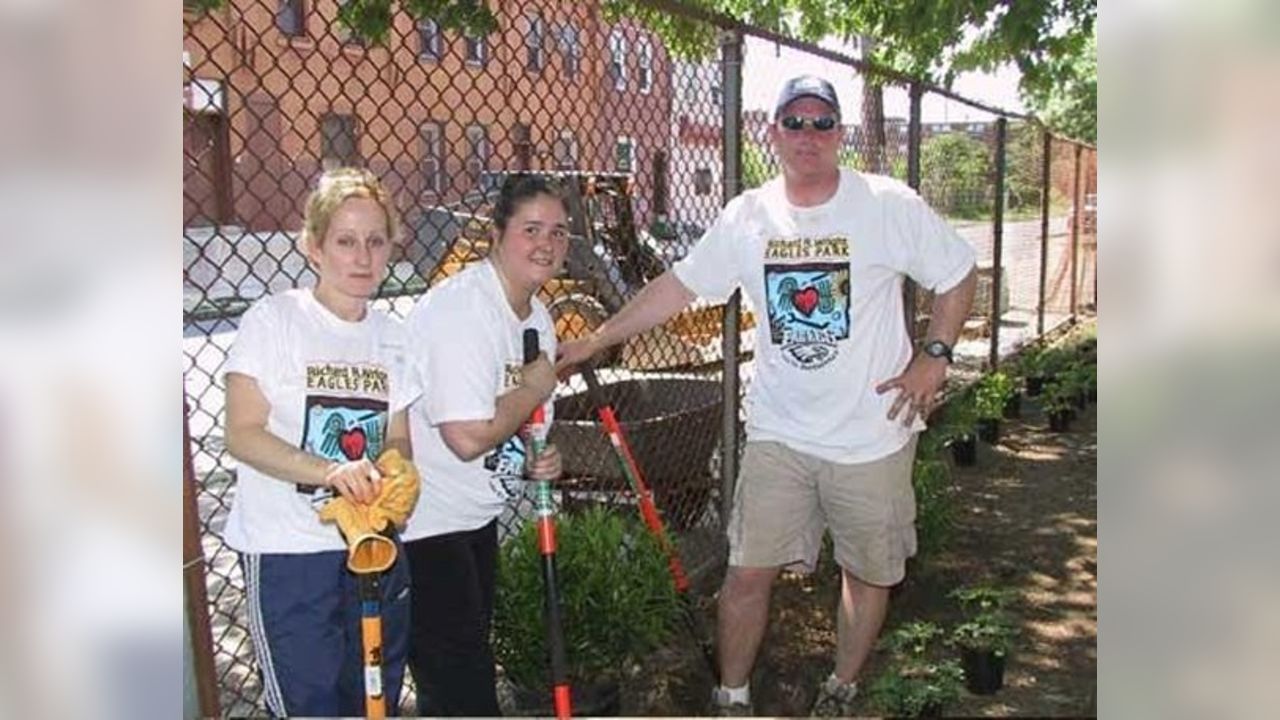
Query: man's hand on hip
{"points": [[918, 387]]}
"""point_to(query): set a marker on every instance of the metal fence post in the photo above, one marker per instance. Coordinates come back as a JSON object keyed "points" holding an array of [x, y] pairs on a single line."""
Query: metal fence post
{"points": [[731, 112], [196, 611], [909, 289], [997, 241], [1075, 232], [1046, 161]]}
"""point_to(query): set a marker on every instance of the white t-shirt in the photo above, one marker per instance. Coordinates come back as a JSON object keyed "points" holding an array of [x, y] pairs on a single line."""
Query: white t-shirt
{"points": [[332, 385], [466, 347], [826, 285]]}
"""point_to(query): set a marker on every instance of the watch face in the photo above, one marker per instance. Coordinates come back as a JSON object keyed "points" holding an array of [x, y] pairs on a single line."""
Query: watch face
{"points": [[937, 348]]}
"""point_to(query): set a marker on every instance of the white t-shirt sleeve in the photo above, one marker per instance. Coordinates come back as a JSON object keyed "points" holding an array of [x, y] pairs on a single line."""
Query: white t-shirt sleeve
{"points": [[711, 269], [455, 353], [405, 384], [256, 348], [930, 251]]}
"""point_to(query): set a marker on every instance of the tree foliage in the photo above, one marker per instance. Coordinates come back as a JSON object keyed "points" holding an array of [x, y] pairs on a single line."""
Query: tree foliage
{"points": [[1052, 42], [955, 175]]}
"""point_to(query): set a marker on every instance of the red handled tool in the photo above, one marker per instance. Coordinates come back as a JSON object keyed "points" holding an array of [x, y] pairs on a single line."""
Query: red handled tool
{"points": [[536, 433], [648, 511]]}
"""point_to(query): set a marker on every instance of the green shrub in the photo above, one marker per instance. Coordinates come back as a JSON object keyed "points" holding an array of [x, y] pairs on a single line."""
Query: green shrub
{"points": [[985, 632], [617, 599], [990, 394], [915, 678], [1058, 395], [977, 599], [906, 690], [931, 479]]}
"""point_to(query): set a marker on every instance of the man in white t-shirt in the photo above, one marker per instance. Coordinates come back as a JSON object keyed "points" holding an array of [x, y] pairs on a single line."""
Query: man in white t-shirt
{"points": [[837, 399]]}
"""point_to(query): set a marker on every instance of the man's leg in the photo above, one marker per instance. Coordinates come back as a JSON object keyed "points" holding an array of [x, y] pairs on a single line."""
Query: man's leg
{"points": [[860, 616], [743, 615]]}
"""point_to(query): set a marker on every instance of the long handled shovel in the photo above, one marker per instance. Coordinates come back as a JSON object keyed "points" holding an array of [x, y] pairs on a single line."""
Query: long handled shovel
{"points": [[536, 434], [649, 512], [370, 553]]}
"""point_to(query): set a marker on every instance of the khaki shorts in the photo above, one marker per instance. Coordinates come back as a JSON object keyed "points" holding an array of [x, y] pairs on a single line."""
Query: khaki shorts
{"points": [[785, 499]]}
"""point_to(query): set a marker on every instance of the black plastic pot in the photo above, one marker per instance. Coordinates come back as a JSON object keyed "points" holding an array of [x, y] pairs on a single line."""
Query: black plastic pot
{"points": [[1035, 384], [1013, 406], [964, 450], [989, 430], [983, 671], [1059, 420]]}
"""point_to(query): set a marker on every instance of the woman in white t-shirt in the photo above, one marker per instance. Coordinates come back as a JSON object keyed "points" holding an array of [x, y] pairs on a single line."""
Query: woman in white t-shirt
{"points": [[315, 391], [466, 346]]}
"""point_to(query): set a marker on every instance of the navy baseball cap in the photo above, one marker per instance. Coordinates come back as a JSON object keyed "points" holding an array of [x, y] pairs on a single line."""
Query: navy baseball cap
{"points": [[806, 86]]}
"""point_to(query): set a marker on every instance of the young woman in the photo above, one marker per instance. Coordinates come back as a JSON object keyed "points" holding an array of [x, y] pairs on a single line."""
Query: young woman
{"points": [[315, 391], [465, 339]]}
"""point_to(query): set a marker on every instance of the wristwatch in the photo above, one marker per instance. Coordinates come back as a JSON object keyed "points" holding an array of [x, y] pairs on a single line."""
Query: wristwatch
{"points": [[938, 349]]}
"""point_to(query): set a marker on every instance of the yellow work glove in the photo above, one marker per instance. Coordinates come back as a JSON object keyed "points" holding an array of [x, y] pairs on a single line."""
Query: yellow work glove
{"points": [[399, 491], [367, 551], [361, 525]]}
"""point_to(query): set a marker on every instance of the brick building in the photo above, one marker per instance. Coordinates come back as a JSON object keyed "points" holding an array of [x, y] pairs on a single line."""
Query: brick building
{"points": [[277, 90]]}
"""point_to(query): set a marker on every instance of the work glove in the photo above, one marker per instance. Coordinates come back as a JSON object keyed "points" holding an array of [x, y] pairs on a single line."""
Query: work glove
{"points": [[368, 551]]}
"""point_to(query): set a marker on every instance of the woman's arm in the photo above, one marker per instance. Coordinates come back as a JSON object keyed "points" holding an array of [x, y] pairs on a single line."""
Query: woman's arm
{"points": [[469, 439], [398, 434], [249, 441]]}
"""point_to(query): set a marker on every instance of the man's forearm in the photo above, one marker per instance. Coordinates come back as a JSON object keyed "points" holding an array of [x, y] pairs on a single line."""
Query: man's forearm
{"points": [[950, 309], [656, 302]]}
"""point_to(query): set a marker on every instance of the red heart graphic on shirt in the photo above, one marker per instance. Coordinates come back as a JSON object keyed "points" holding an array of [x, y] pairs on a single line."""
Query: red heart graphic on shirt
{"points": [[805, 300], [352, 443]]}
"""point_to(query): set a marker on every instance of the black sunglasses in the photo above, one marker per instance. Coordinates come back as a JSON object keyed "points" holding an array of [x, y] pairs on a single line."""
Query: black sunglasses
{"points": [[822, 123]]}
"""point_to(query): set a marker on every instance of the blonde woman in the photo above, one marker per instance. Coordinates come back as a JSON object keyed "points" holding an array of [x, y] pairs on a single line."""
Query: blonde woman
{"points": [[315, 391]]}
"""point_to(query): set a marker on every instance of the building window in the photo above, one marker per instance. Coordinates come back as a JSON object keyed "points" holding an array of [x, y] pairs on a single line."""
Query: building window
{"points": [[646, 66], [533, 43], [338, 146], [523, 142], [477, 153], [702, 181], [570, 50], [624, 154], [566, 151], [618, 59], [477, 50], [660, 182], [429, 39], [432, 157], [291, 17]]}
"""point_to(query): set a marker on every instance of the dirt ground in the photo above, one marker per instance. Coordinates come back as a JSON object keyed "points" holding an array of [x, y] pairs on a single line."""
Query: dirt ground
{"points": [[1026, 519]]}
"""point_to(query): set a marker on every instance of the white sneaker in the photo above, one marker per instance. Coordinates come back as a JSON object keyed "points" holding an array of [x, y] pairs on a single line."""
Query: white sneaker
{"points": [[722, 706]]}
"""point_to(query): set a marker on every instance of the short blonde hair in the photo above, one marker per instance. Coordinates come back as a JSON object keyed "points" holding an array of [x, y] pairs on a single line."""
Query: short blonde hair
{"points": [[337, 186]]}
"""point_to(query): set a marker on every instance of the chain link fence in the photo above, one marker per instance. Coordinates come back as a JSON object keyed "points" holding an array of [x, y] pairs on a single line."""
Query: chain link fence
{"points": [[276, 91]]}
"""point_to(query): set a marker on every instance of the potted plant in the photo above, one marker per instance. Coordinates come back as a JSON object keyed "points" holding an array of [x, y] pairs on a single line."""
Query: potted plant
{"points": [[984, 637], [991, 394], [959, 421], [1057, 403], [984, 641], [916, 683], [617, 601], [1031, 367]]}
